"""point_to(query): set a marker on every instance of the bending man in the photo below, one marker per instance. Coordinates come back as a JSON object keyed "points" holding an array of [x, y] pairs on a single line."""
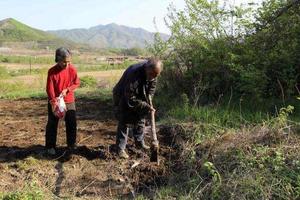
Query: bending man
{"points": [[131, 98]]}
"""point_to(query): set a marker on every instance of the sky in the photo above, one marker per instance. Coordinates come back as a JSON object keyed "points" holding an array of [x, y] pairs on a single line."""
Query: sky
{"points": [[68, 14]]}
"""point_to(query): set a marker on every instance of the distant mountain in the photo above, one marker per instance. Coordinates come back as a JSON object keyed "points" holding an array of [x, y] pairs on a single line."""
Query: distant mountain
{"points": [[110, 36], [15, 33]]}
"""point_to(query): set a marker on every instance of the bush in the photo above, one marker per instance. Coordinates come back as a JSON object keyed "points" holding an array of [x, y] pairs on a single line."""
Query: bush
{"points": [[88, 81]]}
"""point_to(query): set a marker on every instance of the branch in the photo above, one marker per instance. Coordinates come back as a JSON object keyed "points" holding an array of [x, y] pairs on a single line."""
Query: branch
{"points": [[281, 11]]}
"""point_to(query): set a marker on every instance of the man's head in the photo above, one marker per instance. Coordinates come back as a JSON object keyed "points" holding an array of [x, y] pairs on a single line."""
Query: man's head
{"points": [[62, 57], [153, 68]]}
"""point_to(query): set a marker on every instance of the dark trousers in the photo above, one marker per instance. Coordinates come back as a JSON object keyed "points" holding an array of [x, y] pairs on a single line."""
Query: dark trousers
{"points": [[123, 129], [51, 128]]}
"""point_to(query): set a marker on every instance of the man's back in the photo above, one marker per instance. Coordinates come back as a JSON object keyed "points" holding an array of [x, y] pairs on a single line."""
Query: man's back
{"points": [[130, 73]]}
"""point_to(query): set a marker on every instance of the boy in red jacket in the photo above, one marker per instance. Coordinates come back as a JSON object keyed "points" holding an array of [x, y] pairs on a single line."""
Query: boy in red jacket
{"points": [[62, 79]]}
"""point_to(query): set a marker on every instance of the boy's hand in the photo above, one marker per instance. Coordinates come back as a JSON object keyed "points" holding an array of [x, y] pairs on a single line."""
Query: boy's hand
{"points": [[53, 106], [64, 92]]}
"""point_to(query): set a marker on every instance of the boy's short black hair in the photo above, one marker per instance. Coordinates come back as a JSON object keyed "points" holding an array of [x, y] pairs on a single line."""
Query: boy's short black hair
{"points": [[61, 53]]}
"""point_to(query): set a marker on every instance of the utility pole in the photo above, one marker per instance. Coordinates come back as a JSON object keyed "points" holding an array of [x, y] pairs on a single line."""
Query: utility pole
{"points": [[30, 65]]}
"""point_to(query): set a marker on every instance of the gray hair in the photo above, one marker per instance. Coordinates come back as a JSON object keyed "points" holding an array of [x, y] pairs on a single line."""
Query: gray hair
{"points": [[152, 62], [61, 53]]}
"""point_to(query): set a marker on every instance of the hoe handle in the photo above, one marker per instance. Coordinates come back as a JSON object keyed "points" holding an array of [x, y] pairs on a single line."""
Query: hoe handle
{"points": [[153, 128]]}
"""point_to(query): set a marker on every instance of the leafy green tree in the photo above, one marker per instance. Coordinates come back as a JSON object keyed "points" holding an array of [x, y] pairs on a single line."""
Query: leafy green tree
{"points": [[218, 50]]}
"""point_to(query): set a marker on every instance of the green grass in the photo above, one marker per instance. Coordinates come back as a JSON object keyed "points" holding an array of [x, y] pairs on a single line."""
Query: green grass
{"points": [[230, 115], [221, 115], [10, 89], [26, 59], [79, 62], [80, 68], [13, 89], [29, 192], [100, 67], [27, 164], [245, 150], [94, 93], [4, 73], [20, 90], [88, 81], [26, 71], [260, 163], [34, 59]]}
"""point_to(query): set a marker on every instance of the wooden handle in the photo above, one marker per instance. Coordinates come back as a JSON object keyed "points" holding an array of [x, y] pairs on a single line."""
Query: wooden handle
{"points": [[153, 128]]}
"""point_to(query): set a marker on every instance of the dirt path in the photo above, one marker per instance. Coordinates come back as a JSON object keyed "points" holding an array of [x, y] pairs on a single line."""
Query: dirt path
{"points": [[91, 172]]}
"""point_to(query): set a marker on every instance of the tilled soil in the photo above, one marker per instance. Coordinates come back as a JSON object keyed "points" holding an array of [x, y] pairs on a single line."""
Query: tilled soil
{"points": [[93, 171]]}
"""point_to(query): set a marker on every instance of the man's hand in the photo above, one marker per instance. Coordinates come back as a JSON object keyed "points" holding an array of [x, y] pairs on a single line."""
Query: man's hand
{"points": [[64, 92]]}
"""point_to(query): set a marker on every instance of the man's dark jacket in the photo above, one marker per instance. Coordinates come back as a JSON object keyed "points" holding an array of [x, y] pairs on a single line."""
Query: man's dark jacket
{"points": [[131, 93]]}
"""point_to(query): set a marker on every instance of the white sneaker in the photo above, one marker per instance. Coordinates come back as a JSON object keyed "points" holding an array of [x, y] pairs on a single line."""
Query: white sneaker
{"points": [[123, 154]]}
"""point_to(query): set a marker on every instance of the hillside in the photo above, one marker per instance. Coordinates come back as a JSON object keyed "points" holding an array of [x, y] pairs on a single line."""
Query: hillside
{"points": [[15, 33], [110, 36]]}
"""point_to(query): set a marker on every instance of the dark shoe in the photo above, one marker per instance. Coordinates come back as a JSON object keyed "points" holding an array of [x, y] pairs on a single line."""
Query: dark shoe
{"points": [[72, 148], [141, 145], [123, 154], [51, 151]]}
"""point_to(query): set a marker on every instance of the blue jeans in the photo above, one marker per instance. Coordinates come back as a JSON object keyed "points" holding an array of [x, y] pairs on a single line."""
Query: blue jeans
{"points": [[123, 129]]}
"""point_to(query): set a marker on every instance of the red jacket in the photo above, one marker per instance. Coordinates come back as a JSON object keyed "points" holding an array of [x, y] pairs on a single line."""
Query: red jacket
{"points": [[60, 79]]}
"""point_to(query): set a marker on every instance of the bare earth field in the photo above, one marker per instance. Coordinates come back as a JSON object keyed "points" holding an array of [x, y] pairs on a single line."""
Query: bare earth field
{"points": [[101, 76], [17, 66], [90, 172]]}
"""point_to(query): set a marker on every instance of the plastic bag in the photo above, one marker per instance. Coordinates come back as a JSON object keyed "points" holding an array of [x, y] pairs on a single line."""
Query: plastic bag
{"points": [[61, 109]]}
